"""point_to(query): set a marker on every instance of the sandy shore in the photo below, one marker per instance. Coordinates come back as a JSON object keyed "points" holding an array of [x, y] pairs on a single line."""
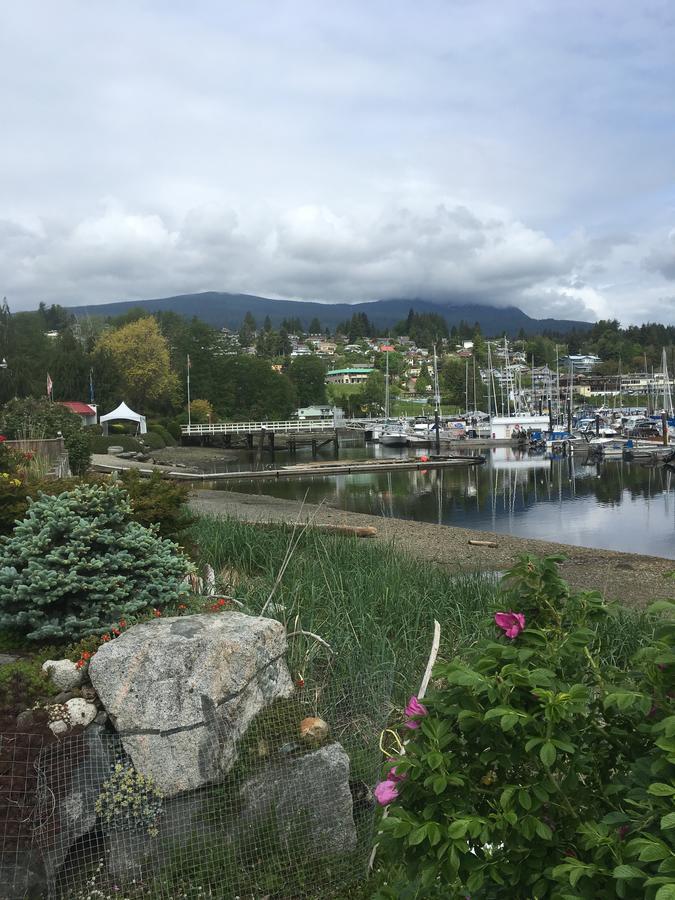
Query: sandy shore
{"points": [[628, 577]]}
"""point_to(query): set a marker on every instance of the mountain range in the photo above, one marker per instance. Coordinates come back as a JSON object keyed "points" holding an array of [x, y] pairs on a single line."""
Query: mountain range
{"points": [[221, 309]]}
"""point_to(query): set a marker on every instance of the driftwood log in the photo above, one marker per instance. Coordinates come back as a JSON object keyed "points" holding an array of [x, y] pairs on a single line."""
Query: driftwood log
{"points": [[483, 543]]}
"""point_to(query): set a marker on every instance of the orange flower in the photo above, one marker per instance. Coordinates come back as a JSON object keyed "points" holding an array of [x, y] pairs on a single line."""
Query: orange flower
{"points": [[156, 613]]}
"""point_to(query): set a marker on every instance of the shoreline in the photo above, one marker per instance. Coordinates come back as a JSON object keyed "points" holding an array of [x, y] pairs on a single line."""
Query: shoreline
{"points": [[630, 578]]}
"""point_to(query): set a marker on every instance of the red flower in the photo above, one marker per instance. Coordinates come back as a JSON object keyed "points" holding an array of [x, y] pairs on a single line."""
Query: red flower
{"points": [[123, 623], [299, 682], [106, 637], [86, 654], [116, 632], [79, 663], [2, 438], [156, 613], [182, 606]]}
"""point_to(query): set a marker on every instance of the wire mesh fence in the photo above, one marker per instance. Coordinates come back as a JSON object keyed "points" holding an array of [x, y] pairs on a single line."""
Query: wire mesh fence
{"points": [[292, 818]]}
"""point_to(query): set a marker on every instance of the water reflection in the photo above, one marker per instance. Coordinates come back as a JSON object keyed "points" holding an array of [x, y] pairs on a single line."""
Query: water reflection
{"points": [[613, 504]]}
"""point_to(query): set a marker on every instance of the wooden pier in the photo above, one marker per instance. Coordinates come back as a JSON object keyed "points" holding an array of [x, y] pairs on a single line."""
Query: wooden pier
{"points": [[271, 436]]}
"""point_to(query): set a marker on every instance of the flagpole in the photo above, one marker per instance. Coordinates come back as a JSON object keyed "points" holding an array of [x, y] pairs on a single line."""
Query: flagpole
{"points": [[188, 391]]}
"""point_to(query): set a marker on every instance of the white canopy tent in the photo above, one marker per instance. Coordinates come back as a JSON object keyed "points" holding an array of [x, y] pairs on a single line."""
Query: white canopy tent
{"points": [[123, 412]]}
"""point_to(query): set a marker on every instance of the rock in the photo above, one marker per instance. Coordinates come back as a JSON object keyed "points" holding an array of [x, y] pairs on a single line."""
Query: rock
{"points": [[182, 691], [184, 819], [101, 717], [25, 719], [313, 731], [64, 696], [74, 771], [63, 673], [22, 875], [7, 659], [81, 712], [87, 692], [59, 727], [308, 795]]}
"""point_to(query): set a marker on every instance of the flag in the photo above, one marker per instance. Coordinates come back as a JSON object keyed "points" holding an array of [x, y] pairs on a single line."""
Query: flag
{"points": [[50, 385]]}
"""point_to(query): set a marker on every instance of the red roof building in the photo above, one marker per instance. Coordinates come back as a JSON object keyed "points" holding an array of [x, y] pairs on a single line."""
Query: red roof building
{"points": [[86, 411]]}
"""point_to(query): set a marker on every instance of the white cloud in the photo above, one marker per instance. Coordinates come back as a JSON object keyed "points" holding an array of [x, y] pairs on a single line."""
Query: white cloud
{"points": [[499, 152]]}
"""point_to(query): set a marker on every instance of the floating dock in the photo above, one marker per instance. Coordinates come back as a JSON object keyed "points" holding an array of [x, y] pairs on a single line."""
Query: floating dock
{"points": [[329, 468]]}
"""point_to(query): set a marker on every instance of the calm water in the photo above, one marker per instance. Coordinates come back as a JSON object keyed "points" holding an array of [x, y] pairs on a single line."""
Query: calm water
{"points": [[614, 505]]}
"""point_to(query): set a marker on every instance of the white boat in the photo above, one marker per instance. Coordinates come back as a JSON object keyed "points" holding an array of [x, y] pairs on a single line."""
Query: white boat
{"points": [[392, 434], [607, 447]]}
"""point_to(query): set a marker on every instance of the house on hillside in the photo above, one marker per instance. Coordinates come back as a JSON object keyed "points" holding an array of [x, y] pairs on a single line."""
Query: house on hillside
{"points": [[353, 375], [86, 411], [582, 363]]}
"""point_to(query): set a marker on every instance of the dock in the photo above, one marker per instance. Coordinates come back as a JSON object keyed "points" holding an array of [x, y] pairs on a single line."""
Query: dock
{"points": [[329, 468]]}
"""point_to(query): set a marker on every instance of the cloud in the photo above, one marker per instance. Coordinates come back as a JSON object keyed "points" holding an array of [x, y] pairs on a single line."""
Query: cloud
{"points": [[662, 258], [503, 153], [307, 251]]}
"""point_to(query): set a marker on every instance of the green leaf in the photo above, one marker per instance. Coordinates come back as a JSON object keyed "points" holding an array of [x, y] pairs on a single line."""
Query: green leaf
{"points": [[506, 797], [627, 872], [668, 821], [458, 828], [543, 830], [547, 754], [659, 789], [524, 799], [667, 892], [418, 835], [507, 723], [434, 760], [653, 852], [439, 784], [533, 742]]}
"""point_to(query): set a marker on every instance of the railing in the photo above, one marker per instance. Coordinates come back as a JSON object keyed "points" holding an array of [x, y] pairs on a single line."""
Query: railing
{"points": [[291, 426]]}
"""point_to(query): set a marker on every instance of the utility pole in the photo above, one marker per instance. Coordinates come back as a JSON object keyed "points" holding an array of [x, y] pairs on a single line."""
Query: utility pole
{"points": [[188, 391]]}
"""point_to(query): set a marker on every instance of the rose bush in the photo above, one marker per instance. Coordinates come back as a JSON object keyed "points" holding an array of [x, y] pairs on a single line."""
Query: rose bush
{"points": [[537, 769]]}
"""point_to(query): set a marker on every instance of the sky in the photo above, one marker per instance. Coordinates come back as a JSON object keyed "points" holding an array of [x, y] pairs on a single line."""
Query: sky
{"points": [[492, 151]]}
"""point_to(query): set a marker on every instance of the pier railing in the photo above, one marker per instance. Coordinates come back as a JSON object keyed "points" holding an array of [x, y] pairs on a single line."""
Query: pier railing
{"points": [[291, 426]]}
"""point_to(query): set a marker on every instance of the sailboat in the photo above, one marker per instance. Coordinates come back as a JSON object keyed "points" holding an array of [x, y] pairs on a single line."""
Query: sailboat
{"points": [[393, 434]]}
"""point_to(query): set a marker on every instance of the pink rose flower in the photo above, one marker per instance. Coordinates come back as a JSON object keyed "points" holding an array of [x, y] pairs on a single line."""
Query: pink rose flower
{"points": [[393, 776], [385, 792], [510, 623], [412, 710]]}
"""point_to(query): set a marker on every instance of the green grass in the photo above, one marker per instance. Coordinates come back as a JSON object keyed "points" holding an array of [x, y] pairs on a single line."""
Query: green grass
{"points": [[373, 604]]}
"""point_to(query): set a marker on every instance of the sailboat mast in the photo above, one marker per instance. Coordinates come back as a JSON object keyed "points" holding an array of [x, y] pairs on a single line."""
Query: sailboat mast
{"points": [[386, 386]]}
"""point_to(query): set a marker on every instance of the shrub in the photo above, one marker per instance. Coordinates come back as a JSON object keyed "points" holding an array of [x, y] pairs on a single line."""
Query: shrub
{"points": [[164, 433], [13, 500], [78, 563], [173, 427], [153, 441], [535, 770], [100, 443], [23, 682], [38, 419], [155, 501]]}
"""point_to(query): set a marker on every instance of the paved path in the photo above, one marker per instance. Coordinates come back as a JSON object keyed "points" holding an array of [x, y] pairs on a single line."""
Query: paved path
{"points": [[628, 577]]}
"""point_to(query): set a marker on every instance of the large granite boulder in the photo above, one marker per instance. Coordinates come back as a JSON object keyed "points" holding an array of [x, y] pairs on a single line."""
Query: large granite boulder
{"points": [[306, 801], [73, 773], [182, 691]]}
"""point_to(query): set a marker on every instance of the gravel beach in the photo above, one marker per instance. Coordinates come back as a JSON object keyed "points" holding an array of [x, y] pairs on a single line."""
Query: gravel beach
{"points": [[627, 577]]}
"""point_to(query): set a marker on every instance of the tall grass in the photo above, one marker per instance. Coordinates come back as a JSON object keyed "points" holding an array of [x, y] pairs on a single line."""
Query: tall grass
{"points": [[372, 603]]}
